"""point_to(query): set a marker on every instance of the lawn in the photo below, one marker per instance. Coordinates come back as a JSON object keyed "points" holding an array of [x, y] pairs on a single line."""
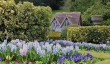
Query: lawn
{"points": [[97, 54], [105, 56], [104, 62], [61, 10]]}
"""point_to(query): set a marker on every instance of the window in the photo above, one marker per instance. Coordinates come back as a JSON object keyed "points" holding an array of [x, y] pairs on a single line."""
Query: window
{"points": [[68, 23]]}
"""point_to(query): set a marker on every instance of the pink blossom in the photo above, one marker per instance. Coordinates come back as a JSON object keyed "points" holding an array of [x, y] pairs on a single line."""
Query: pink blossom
{"points": [[24, 50]]}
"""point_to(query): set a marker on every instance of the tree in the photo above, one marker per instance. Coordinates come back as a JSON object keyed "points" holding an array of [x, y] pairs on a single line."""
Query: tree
{"points": [[54, 4], [81, 5], [97, 9]]}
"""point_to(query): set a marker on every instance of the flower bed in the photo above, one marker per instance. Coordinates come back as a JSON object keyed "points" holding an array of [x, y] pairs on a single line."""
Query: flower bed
{"points": [[85, 45], [18, 52]]}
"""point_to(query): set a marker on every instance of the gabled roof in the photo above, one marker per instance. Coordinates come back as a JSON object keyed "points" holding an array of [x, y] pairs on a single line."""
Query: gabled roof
{"points": [[74, 17], [60, 19]]}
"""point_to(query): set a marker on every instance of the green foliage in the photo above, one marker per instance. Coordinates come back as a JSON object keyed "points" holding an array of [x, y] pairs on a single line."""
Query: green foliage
{"points": [[54, 4], [64, 31], [101, 55], [67, 4], [97, 9], [106, 22], [69, 62], [54, 35], [104, 62], [24, 21], [81, 5], [93, 34]]}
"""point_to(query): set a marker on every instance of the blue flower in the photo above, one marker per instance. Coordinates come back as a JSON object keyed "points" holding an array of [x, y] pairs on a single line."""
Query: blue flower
{"points": [[0, 59], [84, 57], [50, 41], [27, 63], [68, 58], [61, 59], [5, 41], [76, 58], [89, 56]]}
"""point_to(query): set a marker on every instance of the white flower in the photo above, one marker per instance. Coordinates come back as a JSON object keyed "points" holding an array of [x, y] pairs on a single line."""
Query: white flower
{"points": [[9, 45], [69, 48], [55, 51], [47, 47], [103, 45], [5, 41], [3, 47], [30, 45], [14, 48], [41, 52], [56, 48], [77, 48], [64, 51], [19, 44]]}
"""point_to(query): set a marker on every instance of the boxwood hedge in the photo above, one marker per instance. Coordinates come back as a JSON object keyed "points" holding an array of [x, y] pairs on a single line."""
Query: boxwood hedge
{"points": [[93, 34]]}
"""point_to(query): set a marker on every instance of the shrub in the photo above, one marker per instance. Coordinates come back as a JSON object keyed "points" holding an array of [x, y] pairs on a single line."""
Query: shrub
{"points": [[81, 5], [24, 21], [97, 9], [54, 35], [89, 34], [64, 31], [106, 22], [54, 4]]}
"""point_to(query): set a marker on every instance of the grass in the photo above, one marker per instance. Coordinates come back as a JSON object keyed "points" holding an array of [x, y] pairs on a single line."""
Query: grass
{"points": [[104, 62], [62, 10], [102, 55], [97, 54]]}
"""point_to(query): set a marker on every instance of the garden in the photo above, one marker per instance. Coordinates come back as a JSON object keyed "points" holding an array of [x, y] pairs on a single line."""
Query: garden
{"points": [[52, 52], [25, 36]]}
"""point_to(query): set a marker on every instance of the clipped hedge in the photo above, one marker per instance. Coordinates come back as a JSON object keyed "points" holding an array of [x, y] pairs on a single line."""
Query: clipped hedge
{"points": [[54, 35], [93, 34], [24, 21], [64, 31]]}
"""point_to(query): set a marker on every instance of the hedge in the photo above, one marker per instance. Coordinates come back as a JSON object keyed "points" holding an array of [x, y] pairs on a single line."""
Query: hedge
{"points": [[94, 34], [64, 31], [54, 35], [24, 21]]}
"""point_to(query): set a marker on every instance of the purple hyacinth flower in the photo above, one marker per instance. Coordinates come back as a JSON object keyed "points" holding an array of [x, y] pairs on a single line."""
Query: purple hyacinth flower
{"points": [[0, 59], [89, 56], [27, 63], [61, 59], [84, 57], [76, 58], [50, 41], [68, 58]]}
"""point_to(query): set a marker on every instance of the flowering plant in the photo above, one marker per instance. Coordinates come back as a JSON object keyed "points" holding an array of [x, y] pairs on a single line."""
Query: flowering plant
{"points": [[42, 52], [21, 56]]}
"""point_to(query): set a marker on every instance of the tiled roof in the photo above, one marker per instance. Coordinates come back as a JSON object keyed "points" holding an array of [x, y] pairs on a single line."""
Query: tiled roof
{"points": [[74, 17]]}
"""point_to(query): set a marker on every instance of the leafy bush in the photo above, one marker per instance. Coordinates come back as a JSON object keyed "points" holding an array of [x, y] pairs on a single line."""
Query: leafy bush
{"points": [[106, 16], [81, 5], [106, 22], [54, 35], [24, 21], [64, 31], [97, 9], [89, 34], [54, 4]]}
